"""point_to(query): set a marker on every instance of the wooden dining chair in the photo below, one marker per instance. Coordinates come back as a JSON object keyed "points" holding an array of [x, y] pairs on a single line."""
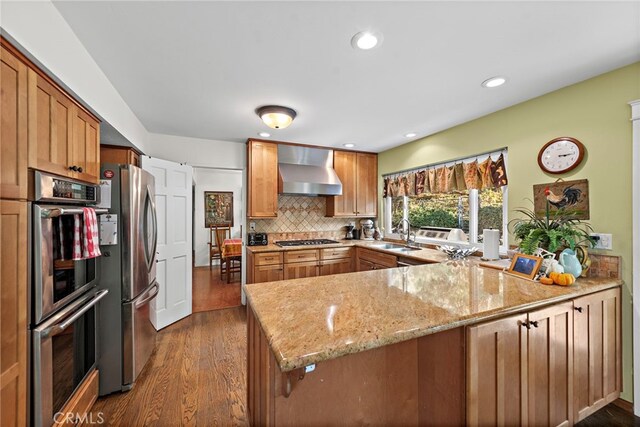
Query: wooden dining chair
{"points": [[214, 250], [229, 263]]}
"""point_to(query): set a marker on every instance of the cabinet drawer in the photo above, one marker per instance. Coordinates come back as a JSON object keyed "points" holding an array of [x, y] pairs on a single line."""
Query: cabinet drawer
{"points": [[268, 258], [376, 257], [301, 256], [335, 253]]}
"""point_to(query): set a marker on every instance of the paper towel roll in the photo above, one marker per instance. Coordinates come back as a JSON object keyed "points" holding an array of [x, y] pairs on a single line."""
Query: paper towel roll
{"points": [[491, 241]]}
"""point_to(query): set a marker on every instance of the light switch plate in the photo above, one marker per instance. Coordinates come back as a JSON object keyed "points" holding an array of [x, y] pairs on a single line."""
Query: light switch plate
{"points": [[605, 241], [252, 226]]}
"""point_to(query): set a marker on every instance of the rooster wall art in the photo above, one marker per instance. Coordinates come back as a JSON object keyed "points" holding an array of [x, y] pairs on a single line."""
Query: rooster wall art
{"points": [[571, 196]]}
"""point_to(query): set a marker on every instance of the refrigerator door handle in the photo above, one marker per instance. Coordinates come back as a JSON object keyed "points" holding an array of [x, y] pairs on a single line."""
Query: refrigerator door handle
{"points": [[152, 295], [155, 226]]}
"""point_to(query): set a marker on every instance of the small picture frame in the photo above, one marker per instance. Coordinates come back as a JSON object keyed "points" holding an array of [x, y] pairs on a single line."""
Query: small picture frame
{"points": [[525, 266]]}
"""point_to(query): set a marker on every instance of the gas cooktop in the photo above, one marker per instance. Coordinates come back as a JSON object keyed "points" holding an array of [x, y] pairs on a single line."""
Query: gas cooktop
{"points": [[305, 242]]}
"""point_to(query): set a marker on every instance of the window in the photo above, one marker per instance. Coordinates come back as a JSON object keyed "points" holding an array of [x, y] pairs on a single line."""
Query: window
{"points": [[433, 215]]}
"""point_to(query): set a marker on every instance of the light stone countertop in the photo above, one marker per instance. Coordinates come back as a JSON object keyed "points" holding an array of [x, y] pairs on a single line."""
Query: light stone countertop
{"points": [[315, 319]]}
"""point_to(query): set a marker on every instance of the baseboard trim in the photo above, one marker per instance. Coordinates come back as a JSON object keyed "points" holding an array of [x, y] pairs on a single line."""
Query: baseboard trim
{"points": [[624, 405]]}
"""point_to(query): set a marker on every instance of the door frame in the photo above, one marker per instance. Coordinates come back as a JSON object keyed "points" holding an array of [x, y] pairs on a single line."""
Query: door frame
{"points": [[635, 161]]}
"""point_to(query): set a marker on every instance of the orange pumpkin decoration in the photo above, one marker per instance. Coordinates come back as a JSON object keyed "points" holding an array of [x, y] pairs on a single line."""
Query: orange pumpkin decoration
{"points": [[546, 280], [564, 279]]}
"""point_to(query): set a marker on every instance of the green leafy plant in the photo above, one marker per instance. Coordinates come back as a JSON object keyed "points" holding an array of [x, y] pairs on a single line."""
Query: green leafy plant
{"points": [[552, 232]]}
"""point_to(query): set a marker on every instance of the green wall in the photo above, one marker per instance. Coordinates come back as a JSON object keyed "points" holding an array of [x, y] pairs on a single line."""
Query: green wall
{"points": [[597, 113]]}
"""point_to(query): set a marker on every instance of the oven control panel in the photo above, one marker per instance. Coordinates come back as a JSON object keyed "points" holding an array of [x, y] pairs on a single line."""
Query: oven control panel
{"points": [[55, 189]]}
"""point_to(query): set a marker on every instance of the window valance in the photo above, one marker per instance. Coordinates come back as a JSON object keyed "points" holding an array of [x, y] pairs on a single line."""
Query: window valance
{"points": [[486, 170]]}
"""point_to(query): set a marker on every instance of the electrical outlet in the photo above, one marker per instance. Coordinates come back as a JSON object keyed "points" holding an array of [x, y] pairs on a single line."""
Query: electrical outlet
{"points": [[603, 241], [252, 226]]}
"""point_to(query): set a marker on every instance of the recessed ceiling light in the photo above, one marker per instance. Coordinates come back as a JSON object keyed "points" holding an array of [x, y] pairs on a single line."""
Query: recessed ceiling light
{"points": [[494, 82], [349, 145], [366, 40], [410, 134], [264, 134]]}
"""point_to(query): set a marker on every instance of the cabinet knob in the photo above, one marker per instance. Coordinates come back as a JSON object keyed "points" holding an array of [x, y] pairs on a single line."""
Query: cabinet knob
{"points": [[578, 309], [535, 323], [526, 324], [80, 169], [73, 168]]}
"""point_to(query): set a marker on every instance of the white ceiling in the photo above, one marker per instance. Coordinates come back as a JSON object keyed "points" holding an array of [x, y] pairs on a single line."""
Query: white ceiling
{"points": [[200, 69]]}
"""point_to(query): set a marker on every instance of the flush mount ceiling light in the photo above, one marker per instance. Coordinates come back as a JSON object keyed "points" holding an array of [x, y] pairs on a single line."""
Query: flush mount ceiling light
{"points": [[410, 134], [275, 116], [264, 134], [494, 82], [349, 145], [366, 40]]}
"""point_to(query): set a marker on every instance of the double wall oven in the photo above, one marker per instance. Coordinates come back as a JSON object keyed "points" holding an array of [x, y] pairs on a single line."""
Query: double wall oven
{"points": [[63, 295]]}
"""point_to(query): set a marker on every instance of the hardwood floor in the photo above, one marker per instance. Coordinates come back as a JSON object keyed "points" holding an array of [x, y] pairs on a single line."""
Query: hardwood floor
{"points": [[212, 293], [197, 377]]}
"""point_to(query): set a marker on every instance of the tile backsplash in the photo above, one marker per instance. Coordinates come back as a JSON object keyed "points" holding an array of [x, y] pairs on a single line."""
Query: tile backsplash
{"points": [[302, 217]]}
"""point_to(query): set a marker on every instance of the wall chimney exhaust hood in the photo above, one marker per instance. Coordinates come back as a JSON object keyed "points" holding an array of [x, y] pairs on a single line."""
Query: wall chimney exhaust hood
{"points": [[307, 171]]}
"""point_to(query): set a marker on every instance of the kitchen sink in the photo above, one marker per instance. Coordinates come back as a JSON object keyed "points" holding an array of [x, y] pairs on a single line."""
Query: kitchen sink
{"points": [[394, 247]]}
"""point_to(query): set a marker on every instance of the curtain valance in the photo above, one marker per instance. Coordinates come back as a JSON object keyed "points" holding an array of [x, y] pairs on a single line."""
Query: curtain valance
{"points": [[459, 175]]}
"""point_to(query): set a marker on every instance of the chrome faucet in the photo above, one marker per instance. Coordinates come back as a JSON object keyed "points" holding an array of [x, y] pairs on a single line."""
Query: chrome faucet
{"points": [[407, 237]]}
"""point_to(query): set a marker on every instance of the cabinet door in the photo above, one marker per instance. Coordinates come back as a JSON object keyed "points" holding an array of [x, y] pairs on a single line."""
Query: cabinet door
{"points": [[550, 366], [367, 185], [345, 165], [262, 166], [13, 312], [85, 147], [496, 356], [50, 127], [267, 273], [300, 270], [336, 266], [13, 133], [364, 265], [596, 352]]}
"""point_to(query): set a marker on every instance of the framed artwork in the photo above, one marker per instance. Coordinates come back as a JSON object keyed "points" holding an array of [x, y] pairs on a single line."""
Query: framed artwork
{"points": [[218, 208], [525, 266], [572, 196]]}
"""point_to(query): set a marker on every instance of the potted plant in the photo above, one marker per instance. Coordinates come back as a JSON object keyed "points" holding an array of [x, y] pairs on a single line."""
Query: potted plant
{"points": [[554, 232]]}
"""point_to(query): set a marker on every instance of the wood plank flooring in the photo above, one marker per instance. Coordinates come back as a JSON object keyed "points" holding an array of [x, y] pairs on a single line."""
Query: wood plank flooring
{"points": [[197, 377], [212, 293]]}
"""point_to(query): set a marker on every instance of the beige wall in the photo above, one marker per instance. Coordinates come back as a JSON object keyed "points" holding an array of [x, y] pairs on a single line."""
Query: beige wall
{"points": [[595, 112]]}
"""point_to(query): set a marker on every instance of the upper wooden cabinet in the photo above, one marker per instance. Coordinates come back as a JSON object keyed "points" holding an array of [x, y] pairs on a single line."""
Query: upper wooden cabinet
{"points": [[358, 173], [13, 131], [121, 155], [63, 138], [262, 179]]}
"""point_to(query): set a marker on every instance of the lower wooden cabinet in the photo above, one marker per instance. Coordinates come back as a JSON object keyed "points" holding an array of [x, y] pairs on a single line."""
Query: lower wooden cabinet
{"points": [[300, 270], [597, 362], [367, 259], [267, 273], [336, 266], [13, 313], [554, 366]]}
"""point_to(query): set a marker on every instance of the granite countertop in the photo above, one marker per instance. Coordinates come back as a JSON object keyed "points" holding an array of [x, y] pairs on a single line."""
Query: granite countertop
{"points": [[315, 319], [424, 254]]}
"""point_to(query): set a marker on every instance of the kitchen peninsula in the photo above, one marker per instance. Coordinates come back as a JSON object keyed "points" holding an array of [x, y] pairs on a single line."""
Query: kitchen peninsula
{"points": [[444, 344]]}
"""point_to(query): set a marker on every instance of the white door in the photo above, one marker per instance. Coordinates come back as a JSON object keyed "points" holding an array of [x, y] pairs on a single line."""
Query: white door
{"points": [[174, 212]]}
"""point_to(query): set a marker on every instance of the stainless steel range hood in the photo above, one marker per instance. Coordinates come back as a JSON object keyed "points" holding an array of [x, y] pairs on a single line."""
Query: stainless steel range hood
{"points": [[308, 171]]}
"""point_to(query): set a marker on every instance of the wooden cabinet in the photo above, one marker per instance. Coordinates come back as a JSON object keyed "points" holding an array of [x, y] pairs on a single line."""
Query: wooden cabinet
{"points": [[13, 131], [267, 273], [358, 173], [63, 138], [268, 258], [300, 270], [597, 346], [306, 255], [85, 152], [120, 155], [262, 179], [336, 266], [520, 369], [13, 312], [367, 259]]}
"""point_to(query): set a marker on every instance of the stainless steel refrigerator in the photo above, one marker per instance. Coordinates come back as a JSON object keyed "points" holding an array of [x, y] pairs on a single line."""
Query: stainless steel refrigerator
{"points": [[128, 239]]}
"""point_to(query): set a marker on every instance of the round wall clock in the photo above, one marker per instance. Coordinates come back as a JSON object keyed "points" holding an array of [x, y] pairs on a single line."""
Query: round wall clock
{"points": [[561, 155]]}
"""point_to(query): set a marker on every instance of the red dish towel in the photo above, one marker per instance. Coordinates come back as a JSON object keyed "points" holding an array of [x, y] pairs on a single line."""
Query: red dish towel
{"points": [[85, 235], [91, 244]]}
